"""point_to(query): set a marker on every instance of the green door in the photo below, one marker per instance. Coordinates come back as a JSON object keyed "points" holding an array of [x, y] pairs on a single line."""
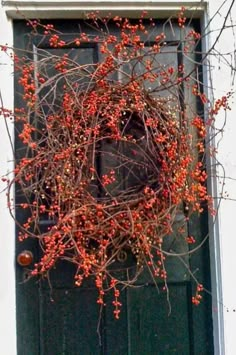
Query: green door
{"points": [[58, 318]]}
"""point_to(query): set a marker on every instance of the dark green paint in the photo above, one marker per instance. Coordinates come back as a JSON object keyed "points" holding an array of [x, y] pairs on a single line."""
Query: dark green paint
{"points": [[60, 319]]}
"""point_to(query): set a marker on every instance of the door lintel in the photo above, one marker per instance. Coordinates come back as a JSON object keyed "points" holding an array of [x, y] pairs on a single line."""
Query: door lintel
{"points": [[77, 9]]}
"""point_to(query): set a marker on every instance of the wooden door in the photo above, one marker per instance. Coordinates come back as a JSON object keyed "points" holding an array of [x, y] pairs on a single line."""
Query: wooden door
{"points": [[58, 318]]}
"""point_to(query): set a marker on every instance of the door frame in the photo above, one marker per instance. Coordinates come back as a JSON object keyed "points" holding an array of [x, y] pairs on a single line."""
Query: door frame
{"points": [[73, 9]]}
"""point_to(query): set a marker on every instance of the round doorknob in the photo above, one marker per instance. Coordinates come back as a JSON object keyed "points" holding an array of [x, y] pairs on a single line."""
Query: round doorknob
{"points": [[25, 258]]}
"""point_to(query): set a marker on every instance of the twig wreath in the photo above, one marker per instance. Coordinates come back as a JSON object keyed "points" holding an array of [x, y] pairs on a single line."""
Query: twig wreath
{"points": [[109, 159]]}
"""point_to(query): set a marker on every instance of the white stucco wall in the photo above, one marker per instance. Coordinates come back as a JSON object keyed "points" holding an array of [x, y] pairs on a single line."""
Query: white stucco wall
{"points": [[226, 238], [222, 76], [7, 238]]}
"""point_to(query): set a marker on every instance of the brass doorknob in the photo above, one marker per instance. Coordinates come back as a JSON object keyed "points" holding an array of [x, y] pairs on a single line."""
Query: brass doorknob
{"points": [[25, 258]]}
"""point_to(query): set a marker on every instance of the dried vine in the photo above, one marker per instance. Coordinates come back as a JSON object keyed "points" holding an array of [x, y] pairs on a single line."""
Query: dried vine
{"points": [[108, 158]]}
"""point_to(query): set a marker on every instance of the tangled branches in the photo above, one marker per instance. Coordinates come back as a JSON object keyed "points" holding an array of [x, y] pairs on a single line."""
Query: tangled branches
{"points": [[112, 151]]}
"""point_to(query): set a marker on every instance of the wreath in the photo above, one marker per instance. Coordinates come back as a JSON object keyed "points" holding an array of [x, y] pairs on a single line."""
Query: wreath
{"points": [[109, 160]]}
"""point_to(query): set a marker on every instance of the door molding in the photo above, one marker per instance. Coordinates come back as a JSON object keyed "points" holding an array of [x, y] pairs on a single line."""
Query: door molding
{"points": [[77, 9]]}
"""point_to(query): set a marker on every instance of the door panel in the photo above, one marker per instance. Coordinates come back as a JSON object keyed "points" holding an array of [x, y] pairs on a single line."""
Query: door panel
{"points": [[56, 318], [68, 322], [147, 330]]}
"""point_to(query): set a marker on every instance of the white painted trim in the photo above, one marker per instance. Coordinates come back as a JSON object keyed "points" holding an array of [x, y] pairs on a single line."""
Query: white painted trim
{"points": [[213, 223], [78, 9], [221, 81], [7, 226]]}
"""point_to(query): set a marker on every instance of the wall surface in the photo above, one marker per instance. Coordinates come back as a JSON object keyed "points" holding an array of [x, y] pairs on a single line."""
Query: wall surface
{"points": [[7, 238], [223, 235], [223, 80]]}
